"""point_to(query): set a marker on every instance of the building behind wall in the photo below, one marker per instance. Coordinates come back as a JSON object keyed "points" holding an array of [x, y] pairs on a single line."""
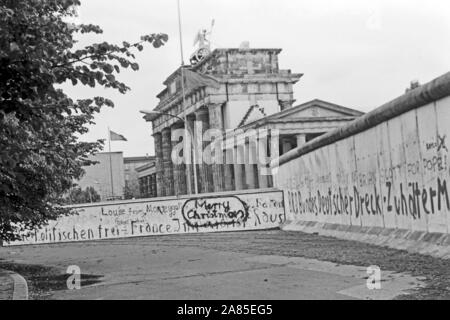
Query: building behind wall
{"points": [[125, 176], [99, 177], [250, 92], [132, 189], [302, 123], [147, 180]]}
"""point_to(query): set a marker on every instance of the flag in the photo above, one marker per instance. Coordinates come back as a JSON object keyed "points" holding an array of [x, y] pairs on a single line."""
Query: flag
{"points": [[198, 37], [194, 80], [116, 137]]}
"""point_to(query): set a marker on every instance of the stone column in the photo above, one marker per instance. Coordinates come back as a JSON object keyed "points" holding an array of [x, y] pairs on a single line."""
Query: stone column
{"points": [[150, 185], [167, 161], [216, 122], [285, 146], [263, 157], [228, 167], [160, 190], [149, 188], [273, 147], [263, 181], [239, 169], [179, 169], [204, 170], [250, 166], [301, 139], [154, 185], [190, 119]]}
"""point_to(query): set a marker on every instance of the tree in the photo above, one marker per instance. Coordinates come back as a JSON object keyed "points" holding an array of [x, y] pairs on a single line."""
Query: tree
{"points": [[131, 189], [40, 152], [77, 195]]}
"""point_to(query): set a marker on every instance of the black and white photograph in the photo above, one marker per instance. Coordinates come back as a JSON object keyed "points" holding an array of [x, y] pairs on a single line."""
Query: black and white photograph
{"points": [[224, 155]]}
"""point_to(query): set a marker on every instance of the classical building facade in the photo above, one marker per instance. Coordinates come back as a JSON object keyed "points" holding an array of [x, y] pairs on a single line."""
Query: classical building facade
{"points": [[262, 138], [147, 180], [132, 188], [251, 94]]}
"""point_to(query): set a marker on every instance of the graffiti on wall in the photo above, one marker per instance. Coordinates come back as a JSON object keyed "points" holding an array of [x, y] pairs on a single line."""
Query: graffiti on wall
{"points": [[213, 212], [248, 211], [411, 201], [394, 175]]}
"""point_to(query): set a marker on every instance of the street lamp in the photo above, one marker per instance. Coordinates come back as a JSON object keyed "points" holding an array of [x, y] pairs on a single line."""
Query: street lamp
{"points": [[146, 112]]}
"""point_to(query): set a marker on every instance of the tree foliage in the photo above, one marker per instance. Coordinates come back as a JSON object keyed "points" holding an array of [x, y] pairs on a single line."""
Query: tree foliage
{"points": [[40, 154], [78, 195], [131, 190]]}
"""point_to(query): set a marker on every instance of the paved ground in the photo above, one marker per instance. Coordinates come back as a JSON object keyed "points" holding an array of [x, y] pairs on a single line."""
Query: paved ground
{"points": [[238, 265], [6, 286]]}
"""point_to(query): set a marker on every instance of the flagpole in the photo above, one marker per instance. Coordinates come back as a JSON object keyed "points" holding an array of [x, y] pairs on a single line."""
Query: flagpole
{"points": [[194, 166], [110, 163]]}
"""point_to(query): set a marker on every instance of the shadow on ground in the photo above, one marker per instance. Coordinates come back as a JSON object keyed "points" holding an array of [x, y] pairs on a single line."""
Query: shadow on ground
{"points": [[43, 281]]}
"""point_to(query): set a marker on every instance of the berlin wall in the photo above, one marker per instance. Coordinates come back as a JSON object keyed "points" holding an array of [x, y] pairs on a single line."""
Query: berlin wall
{"points": [[227, 211], [388, 169]]}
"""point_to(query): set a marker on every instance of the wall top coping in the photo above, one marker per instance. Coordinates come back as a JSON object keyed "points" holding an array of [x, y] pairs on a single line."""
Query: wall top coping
{"points": [[434, 90], [182, 197]]}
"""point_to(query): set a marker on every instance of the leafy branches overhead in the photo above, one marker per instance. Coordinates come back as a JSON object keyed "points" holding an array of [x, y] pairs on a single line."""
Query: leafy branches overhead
{"points": [[37, 53], [40, 154]]}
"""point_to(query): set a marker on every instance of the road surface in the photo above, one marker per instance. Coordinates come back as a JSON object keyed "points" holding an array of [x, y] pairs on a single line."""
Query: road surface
{"points": [[233, 265]]}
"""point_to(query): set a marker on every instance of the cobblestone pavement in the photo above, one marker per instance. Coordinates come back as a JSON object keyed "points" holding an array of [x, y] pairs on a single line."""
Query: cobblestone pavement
{"points": [[235, 265]]}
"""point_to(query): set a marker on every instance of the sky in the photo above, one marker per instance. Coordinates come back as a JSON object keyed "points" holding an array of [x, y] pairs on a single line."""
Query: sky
{"points": [[356, 53]]}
